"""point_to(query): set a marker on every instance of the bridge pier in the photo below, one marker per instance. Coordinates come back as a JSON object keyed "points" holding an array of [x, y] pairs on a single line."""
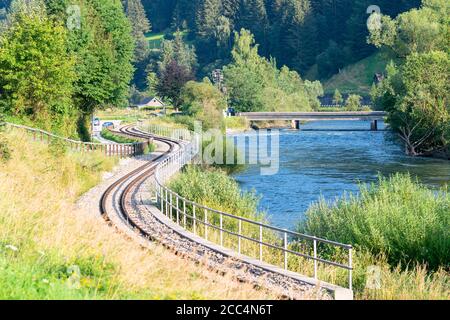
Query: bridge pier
{"points": [[374, 125], [296, 124]]}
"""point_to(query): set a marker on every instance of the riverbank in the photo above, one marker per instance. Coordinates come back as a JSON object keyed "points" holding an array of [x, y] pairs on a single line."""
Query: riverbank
{"points": [[51, 250]]}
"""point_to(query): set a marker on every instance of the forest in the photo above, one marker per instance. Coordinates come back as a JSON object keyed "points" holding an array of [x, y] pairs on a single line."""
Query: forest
{"points": [[297, 33], [61, 60]]}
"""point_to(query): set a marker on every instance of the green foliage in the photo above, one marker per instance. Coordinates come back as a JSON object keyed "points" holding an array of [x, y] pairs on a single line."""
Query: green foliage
{"points": [[36, 71], [416, 96], [205, 102], [180, 52], [398, 217], [140, 26], [337, 97], [297, 33], [56, 75], [5, 153], [104, 50], [108, 135], [152, 84], [416, 31], [255, 84], [215, 189], [46, 275], [353, 102]]}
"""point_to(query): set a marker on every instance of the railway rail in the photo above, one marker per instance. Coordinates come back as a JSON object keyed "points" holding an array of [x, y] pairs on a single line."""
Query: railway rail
{"points": [[132, 179], [122, 190]]}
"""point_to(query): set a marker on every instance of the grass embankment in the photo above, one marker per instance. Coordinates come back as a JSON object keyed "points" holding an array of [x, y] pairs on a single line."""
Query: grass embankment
{"points": [[108, 135], [398, 225], [44, 240], [399, 221], [237, 124], [358, 78], [111, 136]]}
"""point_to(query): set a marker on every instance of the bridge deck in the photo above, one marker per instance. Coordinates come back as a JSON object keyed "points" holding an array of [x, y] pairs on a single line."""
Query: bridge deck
{"points": [[314, 116]]}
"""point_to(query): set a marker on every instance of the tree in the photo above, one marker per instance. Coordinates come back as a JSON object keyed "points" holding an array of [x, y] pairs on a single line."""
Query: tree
{"points": [[177, 50], [172, 80], [353, 102], [256, 84], [337, 98], [415, 94], [104, 51], [140, 26], [207, 16], [253, 17], [415, 31], [204, 101], [416, 97], [152, 84], [36, 70]]}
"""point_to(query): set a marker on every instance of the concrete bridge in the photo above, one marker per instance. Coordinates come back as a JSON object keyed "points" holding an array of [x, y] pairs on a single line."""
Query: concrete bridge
{"points": [[297, 117]]}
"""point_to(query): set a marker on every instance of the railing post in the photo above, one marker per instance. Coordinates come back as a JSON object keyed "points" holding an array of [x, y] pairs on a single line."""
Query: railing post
{"points": [[285, 252], [195, 219], [171, 206], [178, 213], [167, 205], [260, 243], [350, 272], [239, 236], [315, 258], [184, 213], [206, 224], [159, 197], [221, 229]]}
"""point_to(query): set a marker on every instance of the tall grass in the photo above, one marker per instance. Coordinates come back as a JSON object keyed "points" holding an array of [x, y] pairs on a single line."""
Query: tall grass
{"points": [[359, 221], [44, 239], [397, 217], [398, 225]]}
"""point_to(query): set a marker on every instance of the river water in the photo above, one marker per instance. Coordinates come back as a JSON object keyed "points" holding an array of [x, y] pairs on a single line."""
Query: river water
{"points": [[330, 163]]}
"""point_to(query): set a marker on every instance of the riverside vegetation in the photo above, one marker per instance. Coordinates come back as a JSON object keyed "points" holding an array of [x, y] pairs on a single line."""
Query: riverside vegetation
{"points": [[44, 240], [397, 225]]}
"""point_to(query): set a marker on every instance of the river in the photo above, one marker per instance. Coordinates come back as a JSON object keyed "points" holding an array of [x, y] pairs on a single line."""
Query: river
{"points": [[331, 163]]}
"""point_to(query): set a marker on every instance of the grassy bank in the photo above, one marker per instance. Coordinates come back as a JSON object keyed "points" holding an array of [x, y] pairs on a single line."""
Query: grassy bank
{"points": [[49, 250], [358, 78], [398, 225], [111, 136], [397, 221]]}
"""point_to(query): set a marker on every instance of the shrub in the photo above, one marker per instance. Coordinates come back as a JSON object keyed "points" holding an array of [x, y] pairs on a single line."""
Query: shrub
{"points": [[353, 102], [215, 189], [399, 218]]}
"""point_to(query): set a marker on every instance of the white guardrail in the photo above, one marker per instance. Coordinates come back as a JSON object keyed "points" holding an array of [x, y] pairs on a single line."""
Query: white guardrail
{"points": [[252, 238]]}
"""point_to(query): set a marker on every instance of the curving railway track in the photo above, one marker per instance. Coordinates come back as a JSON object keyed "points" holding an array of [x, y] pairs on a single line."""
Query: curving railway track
{"points": [[128, 214], [132, 179]]}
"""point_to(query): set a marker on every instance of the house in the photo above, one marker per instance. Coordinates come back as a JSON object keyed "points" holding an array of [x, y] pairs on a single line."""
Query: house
{"points": [[152, 102], [378, 78]]}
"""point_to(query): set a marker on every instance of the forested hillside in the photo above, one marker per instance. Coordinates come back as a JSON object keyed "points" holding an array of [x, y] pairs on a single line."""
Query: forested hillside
{"points": [[298, 33]]}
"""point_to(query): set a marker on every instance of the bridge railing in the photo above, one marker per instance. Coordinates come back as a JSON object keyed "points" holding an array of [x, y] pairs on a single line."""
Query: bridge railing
{"points": [[121, 150], [289, 250]]}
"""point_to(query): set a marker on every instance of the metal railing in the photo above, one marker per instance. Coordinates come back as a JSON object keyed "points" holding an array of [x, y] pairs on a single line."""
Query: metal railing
{"points": [[121, 150], [215, 225]]}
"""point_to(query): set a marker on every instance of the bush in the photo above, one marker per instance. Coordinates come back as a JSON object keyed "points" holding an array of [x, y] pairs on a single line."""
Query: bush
{"points": [[5, 154], [353, 103], [204, 102], [399, 218], [215, 189]]}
